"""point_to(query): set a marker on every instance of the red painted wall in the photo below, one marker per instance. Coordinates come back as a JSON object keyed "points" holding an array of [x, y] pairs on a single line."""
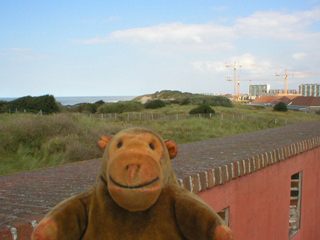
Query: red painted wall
{"points": [[259, 202]]}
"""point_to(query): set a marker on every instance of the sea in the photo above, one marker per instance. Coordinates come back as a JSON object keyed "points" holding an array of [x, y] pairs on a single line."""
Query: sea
{"points": [[88, 99]]}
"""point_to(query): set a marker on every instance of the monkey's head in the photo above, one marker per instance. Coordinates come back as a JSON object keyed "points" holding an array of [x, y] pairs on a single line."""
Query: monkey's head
{"points": [[136, 166]]}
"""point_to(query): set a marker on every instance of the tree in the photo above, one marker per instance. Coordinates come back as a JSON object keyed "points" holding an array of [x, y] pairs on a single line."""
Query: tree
{"points": [[280, 107]]}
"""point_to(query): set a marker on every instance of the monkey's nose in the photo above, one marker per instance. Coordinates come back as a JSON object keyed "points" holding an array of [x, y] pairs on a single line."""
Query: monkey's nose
{"points": [[132, 170], [132, 166]]}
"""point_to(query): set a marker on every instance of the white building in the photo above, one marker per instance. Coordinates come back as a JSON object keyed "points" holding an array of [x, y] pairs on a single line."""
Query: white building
{"points": [[258, 90], [312, 90]]}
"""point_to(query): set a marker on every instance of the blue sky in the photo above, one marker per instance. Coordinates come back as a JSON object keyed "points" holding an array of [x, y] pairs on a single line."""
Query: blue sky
{"points": [[135, 47]]}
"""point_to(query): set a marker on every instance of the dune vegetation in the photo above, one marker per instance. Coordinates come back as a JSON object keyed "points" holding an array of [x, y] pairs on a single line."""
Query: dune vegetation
{"points": [[30, 141]]}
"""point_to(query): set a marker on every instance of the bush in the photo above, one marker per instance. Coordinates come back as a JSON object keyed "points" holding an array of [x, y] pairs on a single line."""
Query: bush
{"points": [[210, 100], [168, 94], [202, 109], [185, 101], [85, 107], [154, 104], [46, 103], [121, 107], [3, 106], [280, 107]]}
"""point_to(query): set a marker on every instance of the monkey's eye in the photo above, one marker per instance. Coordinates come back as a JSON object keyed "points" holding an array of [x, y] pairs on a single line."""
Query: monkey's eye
{"points": [[151, 146], [119, 144]]}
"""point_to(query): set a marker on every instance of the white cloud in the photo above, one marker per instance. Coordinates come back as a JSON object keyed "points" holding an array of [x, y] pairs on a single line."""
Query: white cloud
{"points": [[299, 55], [175, 33], [211, 45], [190, 37], [313, 14], [217, 37], [208, 66], [248, 66], [277, 25], [244, 60]]}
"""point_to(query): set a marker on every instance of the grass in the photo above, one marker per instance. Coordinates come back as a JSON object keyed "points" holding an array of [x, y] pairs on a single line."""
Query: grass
{"points": [[30, 141]]}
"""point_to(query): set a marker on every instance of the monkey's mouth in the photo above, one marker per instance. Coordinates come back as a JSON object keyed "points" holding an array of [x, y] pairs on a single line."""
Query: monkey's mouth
{"points": [[134, 187]]}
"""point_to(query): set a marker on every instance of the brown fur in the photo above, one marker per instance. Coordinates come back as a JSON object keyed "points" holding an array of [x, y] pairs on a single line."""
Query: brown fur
{"points": [[136, 196]]}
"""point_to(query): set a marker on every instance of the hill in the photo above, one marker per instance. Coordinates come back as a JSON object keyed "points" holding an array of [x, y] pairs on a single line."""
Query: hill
{"points": [[165, 95]]}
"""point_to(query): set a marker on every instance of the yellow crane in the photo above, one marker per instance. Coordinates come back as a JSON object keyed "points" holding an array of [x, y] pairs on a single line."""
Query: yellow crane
{"points": [[235, 66], [286, 74]]}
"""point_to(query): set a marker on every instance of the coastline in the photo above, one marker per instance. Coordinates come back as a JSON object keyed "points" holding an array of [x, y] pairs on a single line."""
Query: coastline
{"points": [[68, 100]]}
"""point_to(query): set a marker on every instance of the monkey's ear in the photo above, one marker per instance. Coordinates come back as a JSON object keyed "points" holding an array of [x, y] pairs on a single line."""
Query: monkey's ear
{"points": [[103, 142], [172, 148]]}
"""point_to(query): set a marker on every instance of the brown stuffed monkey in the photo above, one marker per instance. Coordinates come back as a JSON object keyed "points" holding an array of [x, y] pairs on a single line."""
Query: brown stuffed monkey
{"points": [[136, 196]]}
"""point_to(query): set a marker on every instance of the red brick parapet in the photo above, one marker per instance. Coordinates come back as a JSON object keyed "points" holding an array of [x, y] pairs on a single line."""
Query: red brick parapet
{"points": [[25, 197], [200, 181]]}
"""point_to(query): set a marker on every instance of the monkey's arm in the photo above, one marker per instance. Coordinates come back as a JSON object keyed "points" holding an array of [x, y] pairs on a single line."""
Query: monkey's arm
{"points": [[197, 220], [66, 221]]}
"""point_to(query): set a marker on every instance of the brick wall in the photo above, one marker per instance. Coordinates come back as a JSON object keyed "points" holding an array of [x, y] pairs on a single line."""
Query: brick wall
{"points": [[200, 166]]}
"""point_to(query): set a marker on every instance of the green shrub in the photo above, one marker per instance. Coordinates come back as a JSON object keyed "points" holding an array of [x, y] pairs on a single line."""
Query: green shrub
{"points": [[154, 104], [46, 103], [280, 107], [168, 94], [3, 106], [184, 101], [210, 100], [202, 109], [121, 107], [85, 107]]}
